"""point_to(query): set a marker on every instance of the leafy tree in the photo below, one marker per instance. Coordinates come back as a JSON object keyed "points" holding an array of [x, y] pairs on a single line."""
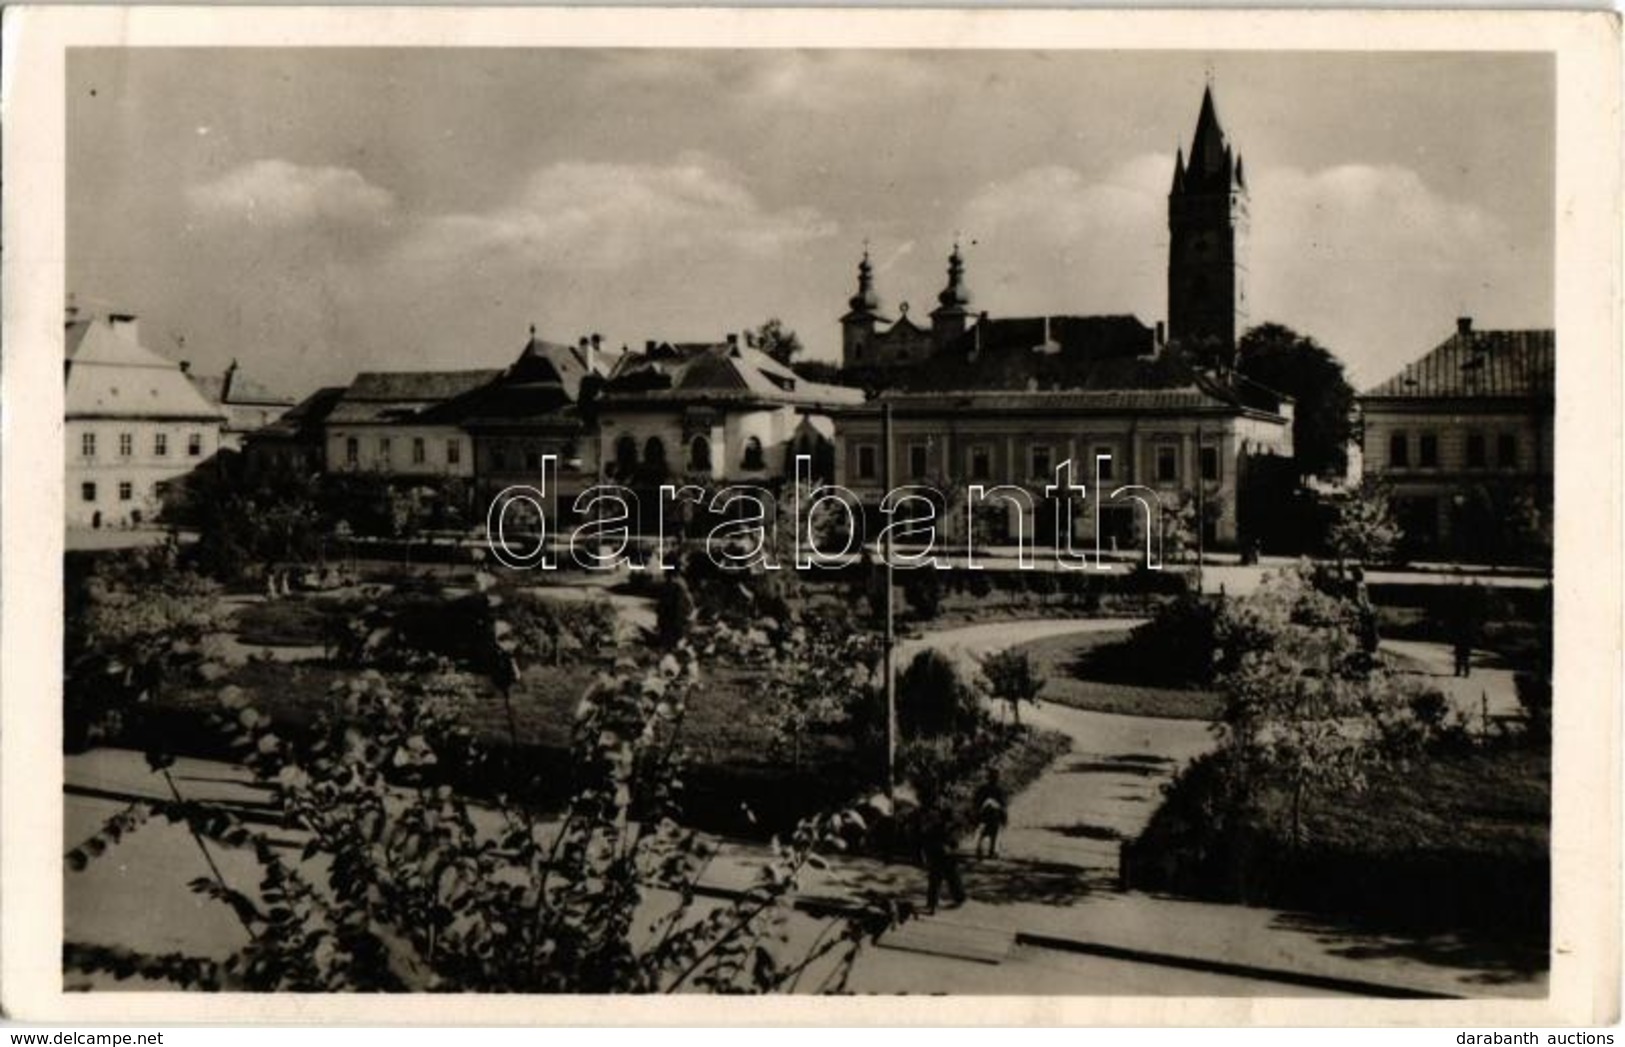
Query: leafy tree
{"points": [[1305, 708], [932, 701], [822, 677], [1012, 677], [1364, 529], [1280, 358], [776, 340]]}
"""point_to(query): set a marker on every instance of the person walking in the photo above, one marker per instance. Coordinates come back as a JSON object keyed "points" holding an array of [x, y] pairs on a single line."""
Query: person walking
{"points": [[992, 812], [938, 844]]}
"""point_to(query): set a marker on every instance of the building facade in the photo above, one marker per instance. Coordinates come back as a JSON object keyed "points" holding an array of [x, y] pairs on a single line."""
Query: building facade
{"points": [[1001, 402], [1463, 438], [385, 423], [134, 424]]}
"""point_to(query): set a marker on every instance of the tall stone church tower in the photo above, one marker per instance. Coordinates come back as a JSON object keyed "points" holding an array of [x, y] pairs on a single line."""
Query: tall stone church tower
{"points": [[1207, 262]]}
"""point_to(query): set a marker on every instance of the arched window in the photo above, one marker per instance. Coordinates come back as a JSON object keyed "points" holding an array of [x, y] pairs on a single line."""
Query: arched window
{"points": [[753, 455], [699, 454], [626, 456], [654, 454]]}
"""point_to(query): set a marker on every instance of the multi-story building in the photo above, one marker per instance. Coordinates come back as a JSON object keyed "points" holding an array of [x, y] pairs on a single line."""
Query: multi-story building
{"points": [[1463, 437], [385, 423], [991, 402], [533, 410], [134, 423], [712, 415]]}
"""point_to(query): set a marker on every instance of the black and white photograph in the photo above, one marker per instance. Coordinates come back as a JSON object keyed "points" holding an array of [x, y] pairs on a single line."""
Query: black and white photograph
{"points": [[861, 519]]}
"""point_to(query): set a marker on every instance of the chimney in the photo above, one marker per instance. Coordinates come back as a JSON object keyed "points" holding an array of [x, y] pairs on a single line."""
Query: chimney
{"points": [[733, 342], [649, 345], [186, 367], [1162, 334], [1464, 325], [592, 353]]}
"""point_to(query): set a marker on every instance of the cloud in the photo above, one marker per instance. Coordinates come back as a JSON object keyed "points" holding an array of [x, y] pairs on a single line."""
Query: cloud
{"points": [[1369, 259], [605, 216], [279, 194], [1050, 239]]}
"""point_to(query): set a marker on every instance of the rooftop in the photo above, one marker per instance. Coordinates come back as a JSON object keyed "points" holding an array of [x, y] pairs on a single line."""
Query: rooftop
{"points": [[1478, 364]]}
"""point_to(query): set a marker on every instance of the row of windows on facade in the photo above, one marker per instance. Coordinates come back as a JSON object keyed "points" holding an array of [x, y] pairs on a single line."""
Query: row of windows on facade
{"points": [[126, 445], [420, 451], [1041, 462], [1475, 451], [699, 454], [126, 491]]}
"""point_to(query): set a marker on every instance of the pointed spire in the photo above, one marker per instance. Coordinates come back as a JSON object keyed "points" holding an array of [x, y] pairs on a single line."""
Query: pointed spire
{"points": [[1179, 170], [1210, 153]]}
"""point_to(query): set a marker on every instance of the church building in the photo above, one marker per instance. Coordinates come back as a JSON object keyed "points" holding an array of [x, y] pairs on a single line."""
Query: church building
{"points": [[1002, 401]]}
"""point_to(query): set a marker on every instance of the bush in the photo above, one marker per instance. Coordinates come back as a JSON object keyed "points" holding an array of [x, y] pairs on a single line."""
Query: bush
{"points": [[932, 701], [1535, 698], [674, 612], [1177, 648], [922, 588]]}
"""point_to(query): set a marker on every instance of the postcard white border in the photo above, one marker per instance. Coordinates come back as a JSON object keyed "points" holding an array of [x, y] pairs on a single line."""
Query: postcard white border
{"points": [[1585, 978]]}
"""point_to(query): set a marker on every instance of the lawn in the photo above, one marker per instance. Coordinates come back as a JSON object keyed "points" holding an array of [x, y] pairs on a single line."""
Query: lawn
{"points": [[1453, 838], [1064, 662]]}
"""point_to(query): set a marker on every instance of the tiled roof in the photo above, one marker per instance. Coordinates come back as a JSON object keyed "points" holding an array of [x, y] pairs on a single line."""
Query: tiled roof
{"points": [[1479, 364], [305, 418], [1058, 352], [718, 374], [1104, 401], [111, 374], [392, 396]]}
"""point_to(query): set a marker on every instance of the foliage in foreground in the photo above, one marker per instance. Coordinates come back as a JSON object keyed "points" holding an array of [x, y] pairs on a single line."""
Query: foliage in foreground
{"points": [[402, 885]]}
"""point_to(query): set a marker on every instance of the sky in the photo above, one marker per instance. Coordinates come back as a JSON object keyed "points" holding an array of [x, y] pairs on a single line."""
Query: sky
{"points": [[316, 212]]}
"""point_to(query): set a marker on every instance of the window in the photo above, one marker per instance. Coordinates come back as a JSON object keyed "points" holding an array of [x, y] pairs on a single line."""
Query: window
{"points": [[626, 456], [87, 445], [352, 451], [654, 455], [1042, 462], [126, 445], [1210, 463], [699, 454], [160, 444], [919, 461], [981, 462], [1506, 450], [87, 491], [454, 452], [126, 491], [194, 445], [1167, 464], [753, 455], [1106, 468], [868, 467], [1399, 451], [1476, 458], [1427, 451], [383, 451], [420, 453]]}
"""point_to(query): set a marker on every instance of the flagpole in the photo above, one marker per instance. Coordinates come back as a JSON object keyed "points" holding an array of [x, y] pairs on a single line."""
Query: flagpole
{"points": [[890, 638]]}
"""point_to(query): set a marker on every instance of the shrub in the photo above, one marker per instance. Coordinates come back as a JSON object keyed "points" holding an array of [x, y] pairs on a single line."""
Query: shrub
{"points": [[1535, 698], [922, 588], [932, 701], [674, 612]]}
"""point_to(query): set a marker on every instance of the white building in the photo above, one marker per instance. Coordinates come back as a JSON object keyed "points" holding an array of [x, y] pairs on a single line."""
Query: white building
{"points": [[713, 414], [134, 422], [376, 425]]}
